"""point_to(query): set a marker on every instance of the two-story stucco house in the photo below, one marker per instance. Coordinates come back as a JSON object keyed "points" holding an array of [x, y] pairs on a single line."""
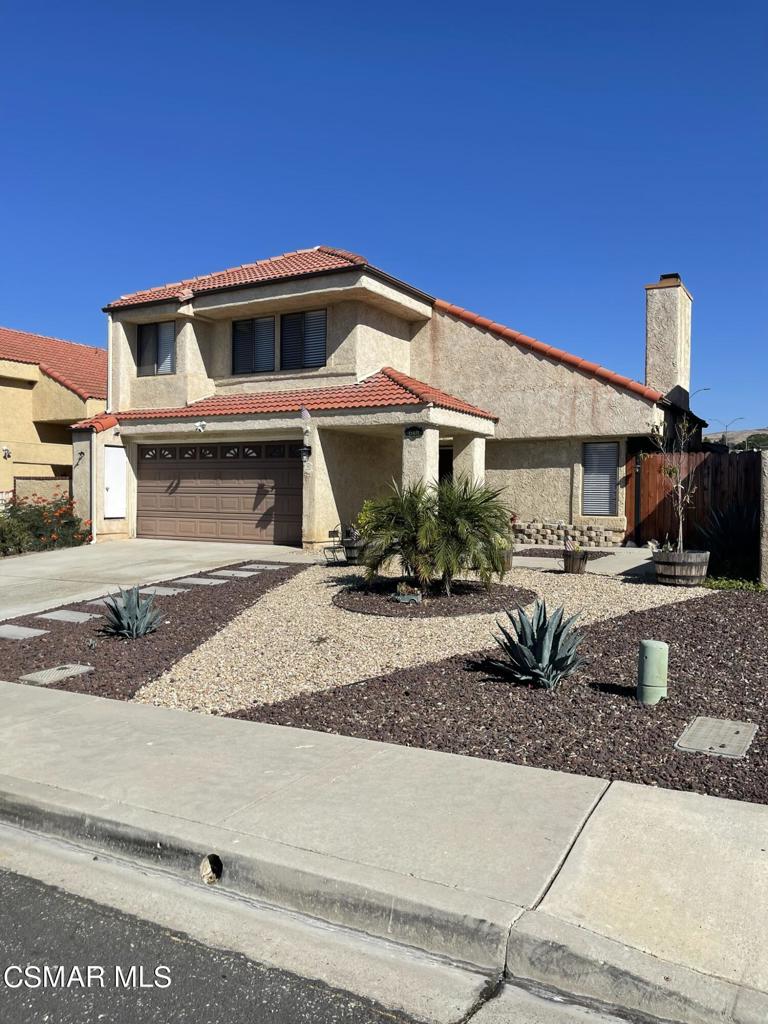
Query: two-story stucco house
{"points": [[46, 385], [266, 402]]}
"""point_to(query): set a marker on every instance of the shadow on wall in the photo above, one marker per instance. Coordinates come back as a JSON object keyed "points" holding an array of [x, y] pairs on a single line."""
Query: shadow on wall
{"points": [[359, 466]]}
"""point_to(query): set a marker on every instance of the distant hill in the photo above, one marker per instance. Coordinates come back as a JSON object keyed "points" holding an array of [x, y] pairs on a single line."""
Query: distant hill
{"points": [[736, 438]]}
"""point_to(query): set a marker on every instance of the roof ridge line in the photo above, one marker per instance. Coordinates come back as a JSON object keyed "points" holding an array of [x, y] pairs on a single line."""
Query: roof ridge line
{"points": [[558, 354]]}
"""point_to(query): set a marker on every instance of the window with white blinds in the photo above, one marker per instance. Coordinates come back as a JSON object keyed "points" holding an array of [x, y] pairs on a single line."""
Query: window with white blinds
{"points": [[253, 345], [302, 340], [156, 348], [600, 478]]}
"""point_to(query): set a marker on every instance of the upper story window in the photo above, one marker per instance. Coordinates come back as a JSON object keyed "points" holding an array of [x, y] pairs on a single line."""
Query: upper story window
{"points": [[600, 478], [302, 340], [156, 349], [253, 345]]}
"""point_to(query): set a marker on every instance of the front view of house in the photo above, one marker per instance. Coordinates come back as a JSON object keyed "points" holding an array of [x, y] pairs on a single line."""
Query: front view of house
{"points": [[265, 403]]}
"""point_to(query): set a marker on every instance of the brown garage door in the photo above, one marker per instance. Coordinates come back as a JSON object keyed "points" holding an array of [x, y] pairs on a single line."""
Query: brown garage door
{"points": [[241, 492]]}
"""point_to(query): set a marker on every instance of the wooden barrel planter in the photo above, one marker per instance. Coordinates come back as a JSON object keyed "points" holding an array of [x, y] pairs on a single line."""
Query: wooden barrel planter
{"points": [[681, 568], [575, 561]]}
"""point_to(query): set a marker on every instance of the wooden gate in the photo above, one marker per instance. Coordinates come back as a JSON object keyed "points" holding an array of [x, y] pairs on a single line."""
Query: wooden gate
{"points": [[719, 479]]}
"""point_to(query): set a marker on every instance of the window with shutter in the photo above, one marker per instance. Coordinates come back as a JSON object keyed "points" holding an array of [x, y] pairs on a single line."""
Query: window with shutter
{"points": [[253, 345], [156, 349], [600, 478], [302, 340]]}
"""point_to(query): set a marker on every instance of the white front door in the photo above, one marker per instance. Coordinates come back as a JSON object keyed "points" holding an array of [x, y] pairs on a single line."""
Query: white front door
{"points": [[115, 481]]}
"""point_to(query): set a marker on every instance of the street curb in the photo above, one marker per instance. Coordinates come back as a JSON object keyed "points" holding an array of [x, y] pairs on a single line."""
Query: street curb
{"points": [[462, 927], [547, 950]]}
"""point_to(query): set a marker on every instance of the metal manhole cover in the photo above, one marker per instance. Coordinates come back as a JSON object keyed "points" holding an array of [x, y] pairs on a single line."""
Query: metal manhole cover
{"points": [[717, 736]]}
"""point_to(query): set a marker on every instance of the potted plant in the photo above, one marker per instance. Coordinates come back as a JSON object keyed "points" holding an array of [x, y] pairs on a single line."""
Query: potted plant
{"points": [[675, 566], [574, 559], [407, 594], [353, 545]]}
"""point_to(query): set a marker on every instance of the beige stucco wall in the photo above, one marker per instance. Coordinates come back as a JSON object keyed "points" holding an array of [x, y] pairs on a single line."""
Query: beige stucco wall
{"points": [[541, 480], [35, 413], [533, 397]]}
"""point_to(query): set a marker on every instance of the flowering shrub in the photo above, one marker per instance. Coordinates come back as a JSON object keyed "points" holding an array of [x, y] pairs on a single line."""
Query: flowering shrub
{"points": [[40, 524]]}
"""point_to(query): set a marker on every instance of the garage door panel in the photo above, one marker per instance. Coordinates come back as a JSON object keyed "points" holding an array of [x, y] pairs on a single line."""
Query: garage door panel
{"points": [[243, 498]]}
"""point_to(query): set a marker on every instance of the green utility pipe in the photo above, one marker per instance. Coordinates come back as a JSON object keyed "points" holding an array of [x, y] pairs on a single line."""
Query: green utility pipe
{"points": [[652, 671]]}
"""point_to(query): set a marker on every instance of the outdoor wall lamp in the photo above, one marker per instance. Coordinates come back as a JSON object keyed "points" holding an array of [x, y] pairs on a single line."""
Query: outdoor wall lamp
{"points": [[413, 433], [305, 452], [6, 452], [200, 426]]}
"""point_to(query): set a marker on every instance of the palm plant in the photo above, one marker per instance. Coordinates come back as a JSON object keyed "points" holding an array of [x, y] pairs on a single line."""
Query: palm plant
{"points": [[469, 529], [395, 527], [437, 532]]}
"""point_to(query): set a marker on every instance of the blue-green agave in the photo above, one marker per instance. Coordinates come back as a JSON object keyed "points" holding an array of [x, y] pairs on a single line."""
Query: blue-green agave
{"points": [[542, 649], [131, 615]]}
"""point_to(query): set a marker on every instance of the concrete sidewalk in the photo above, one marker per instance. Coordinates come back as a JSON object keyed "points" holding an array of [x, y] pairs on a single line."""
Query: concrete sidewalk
{"points": [[46, 579], [630, 563], [644, 899]]}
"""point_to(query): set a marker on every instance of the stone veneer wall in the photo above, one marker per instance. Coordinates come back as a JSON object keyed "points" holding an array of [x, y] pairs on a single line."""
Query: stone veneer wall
{"points": [[556, 534]]}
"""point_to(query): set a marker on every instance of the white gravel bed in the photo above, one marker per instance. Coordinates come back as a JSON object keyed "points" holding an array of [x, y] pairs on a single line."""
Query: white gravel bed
{"points": [[294, 640]]}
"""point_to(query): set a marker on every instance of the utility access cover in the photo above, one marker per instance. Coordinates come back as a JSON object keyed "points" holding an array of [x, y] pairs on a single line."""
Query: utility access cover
{"points": [[717, 736]]}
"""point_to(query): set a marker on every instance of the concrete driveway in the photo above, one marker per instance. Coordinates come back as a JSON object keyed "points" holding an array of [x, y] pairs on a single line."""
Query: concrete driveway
{"points": [[47, 579]]}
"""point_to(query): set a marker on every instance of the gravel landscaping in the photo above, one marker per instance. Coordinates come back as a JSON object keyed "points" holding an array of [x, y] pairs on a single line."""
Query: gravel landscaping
{"points": [[558, 553], [296, 640], [467, 598], [592, 725], [124, 666]]}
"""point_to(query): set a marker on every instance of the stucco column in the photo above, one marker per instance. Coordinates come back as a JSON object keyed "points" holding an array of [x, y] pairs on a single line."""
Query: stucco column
{"points": [[469, 457], [421, 456], [764, 518], [319, 513]]}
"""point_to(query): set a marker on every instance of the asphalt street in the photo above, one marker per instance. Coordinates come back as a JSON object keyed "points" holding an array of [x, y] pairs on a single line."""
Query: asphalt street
{"points": [[141, 972]]}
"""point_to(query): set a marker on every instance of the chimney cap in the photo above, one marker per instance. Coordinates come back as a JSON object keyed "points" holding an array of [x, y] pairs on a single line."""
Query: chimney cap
{"points": [[669, 281]]}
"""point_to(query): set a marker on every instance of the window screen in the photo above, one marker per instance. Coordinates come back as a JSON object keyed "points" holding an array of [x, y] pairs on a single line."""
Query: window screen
{"points": [[302, 339], [156, 348], [601, 472], [253, 345]]}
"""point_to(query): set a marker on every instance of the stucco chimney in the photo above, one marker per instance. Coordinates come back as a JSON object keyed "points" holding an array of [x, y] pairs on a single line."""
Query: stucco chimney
{"points": [[668, 337]]}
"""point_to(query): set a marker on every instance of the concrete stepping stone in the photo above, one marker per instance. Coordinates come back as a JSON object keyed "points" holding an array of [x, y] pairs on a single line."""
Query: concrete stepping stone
{"points": [[101, 601], [200, 581], [11, 632], [163, 591], [239, 573], [65, 615], [265, 565], [48, 676]]}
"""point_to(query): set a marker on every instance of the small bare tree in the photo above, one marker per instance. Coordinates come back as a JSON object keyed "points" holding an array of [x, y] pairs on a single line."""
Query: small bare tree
{"points": [[674, 446]]}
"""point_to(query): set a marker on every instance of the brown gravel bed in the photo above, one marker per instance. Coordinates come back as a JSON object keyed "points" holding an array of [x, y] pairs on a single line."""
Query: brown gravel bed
{"points": [[558, 553], [123, 666], [377, 598], [592, 725]]}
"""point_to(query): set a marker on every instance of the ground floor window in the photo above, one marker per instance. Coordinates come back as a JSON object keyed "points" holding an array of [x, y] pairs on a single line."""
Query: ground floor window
{"points": [[600, 478]]}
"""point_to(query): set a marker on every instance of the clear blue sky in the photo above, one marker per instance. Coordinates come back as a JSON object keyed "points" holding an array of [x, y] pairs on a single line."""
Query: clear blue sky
{"points": [[537, 163]]}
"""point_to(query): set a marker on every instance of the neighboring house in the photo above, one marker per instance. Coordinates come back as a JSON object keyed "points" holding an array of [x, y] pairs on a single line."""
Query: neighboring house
{"points": [[266, 402], [46, 385]]}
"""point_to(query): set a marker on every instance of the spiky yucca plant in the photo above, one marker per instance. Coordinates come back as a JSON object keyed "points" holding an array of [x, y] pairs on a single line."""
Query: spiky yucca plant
{"points": [[131, 615], [542, 649]]}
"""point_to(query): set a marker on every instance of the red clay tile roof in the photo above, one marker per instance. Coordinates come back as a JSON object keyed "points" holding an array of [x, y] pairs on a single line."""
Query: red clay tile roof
{"points": [[79, 368], [321, 259], [591, 369], [324, 258], [386, 388]]}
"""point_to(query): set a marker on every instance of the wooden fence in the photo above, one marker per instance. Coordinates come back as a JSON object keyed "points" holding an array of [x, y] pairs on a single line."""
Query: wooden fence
{"points": [[719, 479]]}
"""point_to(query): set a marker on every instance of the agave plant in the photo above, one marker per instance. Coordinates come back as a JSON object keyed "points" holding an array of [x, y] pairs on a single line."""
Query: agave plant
{"points": [[131, 615], [542, 649]]}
